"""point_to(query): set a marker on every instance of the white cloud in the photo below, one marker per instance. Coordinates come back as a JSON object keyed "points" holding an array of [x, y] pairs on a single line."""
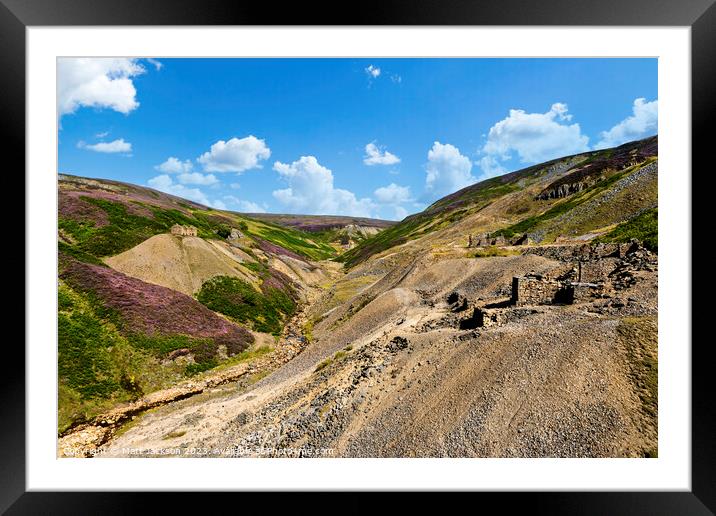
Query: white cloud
{"points": [[376, 156], [392, 194], [447, 170], [373, 71], [98, 83], [311, 191], [400, 212], [164, 183], [196, 178], [235, 155], [490, 167], [396, 78], [174, 166], [644, 122], [235, 186], [535, 137], [243, 205], [102, 135], [157, 64], [113, 147]]}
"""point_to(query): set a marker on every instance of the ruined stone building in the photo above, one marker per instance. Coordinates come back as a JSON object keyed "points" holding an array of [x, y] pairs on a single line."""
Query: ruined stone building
{"points": [[485, 240], [533, 289], [588, 272], [178, 229]]}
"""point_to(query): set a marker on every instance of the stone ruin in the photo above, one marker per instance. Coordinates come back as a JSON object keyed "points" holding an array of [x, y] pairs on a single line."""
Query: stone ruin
{"points": [[485, 240], [534, 289], [178, 229], [591, 272]]}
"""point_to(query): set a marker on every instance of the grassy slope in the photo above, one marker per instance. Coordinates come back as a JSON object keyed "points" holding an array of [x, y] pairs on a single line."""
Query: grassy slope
{"points": [[102, 218], [611, 164], [643, 227], [562, 206]]}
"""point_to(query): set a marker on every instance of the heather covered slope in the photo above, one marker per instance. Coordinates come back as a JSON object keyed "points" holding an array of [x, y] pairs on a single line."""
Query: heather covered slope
{"points": [[117, 337]]}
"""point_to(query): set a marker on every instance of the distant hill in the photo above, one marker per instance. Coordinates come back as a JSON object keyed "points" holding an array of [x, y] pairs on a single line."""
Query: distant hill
{"points": [[318, 223]]}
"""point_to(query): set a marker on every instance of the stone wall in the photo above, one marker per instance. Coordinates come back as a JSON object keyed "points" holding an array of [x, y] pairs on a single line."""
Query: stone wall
{"points": [[178, 229], [578, 292], [535, 290]]}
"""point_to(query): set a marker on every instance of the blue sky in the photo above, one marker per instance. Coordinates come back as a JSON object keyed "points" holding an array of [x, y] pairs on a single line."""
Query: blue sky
{"points": [[370, 137]]}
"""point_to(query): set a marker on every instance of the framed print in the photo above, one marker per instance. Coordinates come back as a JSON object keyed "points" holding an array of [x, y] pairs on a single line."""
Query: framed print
{"points": [[413, 250]]}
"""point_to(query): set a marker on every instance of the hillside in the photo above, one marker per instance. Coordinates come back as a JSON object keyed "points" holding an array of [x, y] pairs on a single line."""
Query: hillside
{"points": [[514, 318], [319, 223], [141, 309], [543, 201]]}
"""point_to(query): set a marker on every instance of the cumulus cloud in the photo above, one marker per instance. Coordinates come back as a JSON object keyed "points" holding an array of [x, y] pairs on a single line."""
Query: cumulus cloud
{"points": [[375, 156], [196, 178], [311, 190], [114, 147], [644, 122], [164, 183], [372, 71], [447, 170], [392, 194], [235, 155], [490, 167], [535, 137], [97, 82], [174, 166], [400, 213], [243, 205]]}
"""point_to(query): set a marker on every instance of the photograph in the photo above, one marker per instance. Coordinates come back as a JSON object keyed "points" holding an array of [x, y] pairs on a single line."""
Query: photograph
{"points": [[357, 257]]}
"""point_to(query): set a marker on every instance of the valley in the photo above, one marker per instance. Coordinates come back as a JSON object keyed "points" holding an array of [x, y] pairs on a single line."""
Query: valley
{"points": [[514, 318]]}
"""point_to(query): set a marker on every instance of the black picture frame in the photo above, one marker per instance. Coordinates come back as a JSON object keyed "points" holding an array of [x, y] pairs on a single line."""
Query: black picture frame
{"points": [[700, 15]]}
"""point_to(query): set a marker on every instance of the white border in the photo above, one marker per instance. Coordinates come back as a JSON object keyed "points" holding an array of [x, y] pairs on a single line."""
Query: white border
{"points": [[670, 471]]}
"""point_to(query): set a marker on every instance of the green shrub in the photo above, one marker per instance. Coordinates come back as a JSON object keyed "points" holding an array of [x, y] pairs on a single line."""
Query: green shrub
{"points": [[323, 365], [265, 311], [200, 367], [223, 232]]}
